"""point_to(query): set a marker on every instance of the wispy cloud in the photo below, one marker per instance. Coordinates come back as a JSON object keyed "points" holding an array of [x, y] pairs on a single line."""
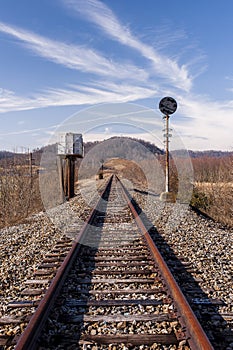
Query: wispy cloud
{"points": [[207, 121], [74, 95], [74, 56], [100, 92], [98, 13], [30, 131], [9, 101], [201, 128]]}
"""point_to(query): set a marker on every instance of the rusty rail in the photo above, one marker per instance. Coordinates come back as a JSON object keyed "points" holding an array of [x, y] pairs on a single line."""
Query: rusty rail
{"points": [[27, 340], [197, 338]]}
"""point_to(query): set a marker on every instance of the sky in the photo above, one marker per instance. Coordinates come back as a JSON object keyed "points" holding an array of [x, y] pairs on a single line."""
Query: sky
{"points": [[100, 68]]}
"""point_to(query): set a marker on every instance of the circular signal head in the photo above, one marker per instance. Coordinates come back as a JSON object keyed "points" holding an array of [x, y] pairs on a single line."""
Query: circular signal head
{"points": [[168, 105]]}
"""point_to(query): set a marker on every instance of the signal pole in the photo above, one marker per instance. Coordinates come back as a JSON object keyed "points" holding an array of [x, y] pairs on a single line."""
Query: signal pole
{"points": [[167, 153], [167, 106]]}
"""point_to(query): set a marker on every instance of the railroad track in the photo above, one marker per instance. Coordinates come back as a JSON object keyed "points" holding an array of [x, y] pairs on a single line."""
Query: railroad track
{"points": [[113, 290]]}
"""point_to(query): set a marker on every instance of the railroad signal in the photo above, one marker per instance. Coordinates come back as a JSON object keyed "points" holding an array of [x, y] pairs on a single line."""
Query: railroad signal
{"points": [[167, 106]]}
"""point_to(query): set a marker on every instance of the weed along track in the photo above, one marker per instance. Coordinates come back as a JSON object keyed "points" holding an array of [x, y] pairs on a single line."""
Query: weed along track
{"points": [[113, 290]]}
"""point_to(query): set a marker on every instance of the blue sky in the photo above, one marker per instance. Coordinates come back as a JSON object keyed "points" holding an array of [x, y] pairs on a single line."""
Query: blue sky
{"points": [[60, 57]]}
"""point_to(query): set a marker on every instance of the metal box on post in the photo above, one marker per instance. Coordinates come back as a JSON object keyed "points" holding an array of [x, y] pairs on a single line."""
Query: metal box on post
{"points": [[70, 144], [78, 145]]}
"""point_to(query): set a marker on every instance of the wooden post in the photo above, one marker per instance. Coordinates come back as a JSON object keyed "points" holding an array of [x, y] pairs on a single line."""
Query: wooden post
{"points": [[70, 176], [61, 177], [30, 168], [73, 172], [66, 171]]}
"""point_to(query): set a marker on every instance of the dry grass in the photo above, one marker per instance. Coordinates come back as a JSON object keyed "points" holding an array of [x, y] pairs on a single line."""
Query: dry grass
{"points": [[19, 195], [218, 200]]}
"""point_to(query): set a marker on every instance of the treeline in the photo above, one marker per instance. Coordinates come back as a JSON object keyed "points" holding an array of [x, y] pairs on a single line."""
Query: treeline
{"points": [[213, 169], [210, 154]]}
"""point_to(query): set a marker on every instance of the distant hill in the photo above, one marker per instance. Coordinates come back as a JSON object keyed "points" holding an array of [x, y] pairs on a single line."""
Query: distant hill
{"points": [[123, 141], [12, 158], [204, 154], [210, 153], [6, 154], [121, 145], [155, 150]]}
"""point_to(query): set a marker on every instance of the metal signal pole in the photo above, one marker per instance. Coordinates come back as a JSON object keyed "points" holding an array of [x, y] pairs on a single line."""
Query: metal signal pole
{"points": [[167, 153], [167, 106]]}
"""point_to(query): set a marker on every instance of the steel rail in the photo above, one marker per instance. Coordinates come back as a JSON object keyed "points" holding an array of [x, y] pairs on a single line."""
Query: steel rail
{"points": [[27, 340], [198, 339]]}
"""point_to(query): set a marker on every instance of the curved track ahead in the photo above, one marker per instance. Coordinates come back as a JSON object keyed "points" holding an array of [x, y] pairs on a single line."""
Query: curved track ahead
{"points": [[113, 290]]}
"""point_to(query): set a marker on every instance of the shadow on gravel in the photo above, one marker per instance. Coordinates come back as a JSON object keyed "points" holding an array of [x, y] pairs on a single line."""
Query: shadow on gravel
{"points": [[146, 192], [205, 308]]}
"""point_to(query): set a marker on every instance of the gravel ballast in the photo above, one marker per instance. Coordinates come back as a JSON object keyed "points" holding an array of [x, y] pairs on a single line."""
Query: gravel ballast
{"points": [[205, 246]]}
